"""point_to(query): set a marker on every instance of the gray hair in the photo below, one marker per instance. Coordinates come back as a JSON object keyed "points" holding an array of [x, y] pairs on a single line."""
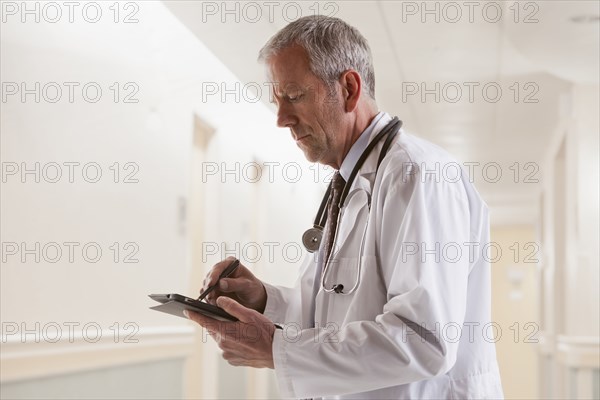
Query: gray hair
{"points": [[332, 46]]}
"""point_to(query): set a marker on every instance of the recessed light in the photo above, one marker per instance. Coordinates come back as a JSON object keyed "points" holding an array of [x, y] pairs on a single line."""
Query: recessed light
{"points": [[585, 19]]}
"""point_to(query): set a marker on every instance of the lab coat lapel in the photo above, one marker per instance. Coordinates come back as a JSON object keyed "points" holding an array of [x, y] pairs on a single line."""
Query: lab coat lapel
{"points": [[354, 213]]}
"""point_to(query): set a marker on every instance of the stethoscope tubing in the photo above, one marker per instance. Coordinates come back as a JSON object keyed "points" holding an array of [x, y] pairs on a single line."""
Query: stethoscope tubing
{"points": [[393, 127], [391, 130]]}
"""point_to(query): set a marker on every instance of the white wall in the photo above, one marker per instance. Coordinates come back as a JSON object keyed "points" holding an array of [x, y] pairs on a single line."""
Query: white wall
{"points": [[569, 273], [169, 67], [585, 269]]}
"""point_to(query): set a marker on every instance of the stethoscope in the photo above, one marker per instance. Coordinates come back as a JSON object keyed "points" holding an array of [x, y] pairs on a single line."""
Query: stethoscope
{"points": [[312, 238]]}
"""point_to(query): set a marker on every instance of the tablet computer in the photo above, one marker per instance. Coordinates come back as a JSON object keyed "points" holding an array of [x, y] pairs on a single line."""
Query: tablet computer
{"points": [[174, 304]]}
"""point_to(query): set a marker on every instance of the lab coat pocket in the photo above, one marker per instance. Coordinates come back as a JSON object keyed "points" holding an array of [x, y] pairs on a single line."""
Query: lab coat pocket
{"points": [[343, 273], [363, 295], [353, 219], [333, 310]]}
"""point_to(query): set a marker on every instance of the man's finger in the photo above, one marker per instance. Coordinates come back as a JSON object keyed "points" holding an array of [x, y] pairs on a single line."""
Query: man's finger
{"points": [[236, 309], [209, 323], [228, 285], [216, 270]]}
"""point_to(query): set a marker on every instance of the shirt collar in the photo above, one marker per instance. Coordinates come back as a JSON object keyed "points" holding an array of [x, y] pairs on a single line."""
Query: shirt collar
{"points": [[358, 148]]}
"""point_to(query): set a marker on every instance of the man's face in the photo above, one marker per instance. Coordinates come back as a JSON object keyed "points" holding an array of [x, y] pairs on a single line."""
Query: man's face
{"points": [[306, 106]]}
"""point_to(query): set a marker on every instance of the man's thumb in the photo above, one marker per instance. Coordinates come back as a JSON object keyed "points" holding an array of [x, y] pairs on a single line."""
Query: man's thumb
{"points": [[236, 309]]}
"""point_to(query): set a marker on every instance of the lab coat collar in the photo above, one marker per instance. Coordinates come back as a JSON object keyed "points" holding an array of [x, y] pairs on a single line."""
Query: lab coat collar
{"points": [[361, 144]]}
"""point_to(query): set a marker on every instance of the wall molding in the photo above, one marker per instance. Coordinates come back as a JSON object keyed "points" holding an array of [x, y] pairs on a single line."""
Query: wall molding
{"points": [[75, 353], [579, 351]]}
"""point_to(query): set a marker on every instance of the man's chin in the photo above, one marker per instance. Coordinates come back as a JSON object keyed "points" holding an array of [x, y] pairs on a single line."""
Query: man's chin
{"points": [[308, 153], [311, 155]]}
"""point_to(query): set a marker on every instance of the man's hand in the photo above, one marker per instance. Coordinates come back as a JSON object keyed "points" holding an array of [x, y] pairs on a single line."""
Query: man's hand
{"points": [[247, 342], [241, 286]]}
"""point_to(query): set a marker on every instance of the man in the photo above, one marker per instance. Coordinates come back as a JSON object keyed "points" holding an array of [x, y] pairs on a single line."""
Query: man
{"points": [[388, 315]]}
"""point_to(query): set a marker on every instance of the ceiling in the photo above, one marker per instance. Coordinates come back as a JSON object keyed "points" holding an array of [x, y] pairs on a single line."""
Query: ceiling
{"points": [[533, 52]]}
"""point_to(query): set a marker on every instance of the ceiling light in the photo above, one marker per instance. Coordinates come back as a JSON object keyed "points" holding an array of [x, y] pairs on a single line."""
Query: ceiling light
{"points": [[585, 19]]}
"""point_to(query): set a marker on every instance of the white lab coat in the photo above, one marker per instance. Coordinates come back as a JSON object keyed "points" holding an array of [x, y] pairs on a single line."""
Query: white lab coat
{"points": [[368, 345]]}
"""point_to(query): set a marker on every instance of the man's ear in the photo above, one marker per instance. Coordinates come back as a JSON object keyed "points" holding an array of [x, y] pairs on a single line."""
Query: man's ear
{"points": [[351, 89]]}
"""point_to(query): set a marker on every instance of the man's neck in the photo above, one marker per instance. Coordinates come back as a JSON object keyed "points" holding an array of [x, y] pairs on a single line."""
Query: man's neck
{"points": [[362, 121]]}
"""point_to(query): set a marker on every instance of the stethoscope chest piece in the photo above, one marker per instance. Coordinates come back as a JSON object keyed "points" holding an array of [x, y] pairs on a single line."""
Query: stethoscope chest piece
{"points": [[312, 239]]}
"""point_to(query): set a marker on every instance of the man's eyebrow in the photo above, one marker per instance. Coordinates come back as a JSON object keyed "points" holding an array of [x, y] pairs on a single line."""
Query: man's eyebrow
{"points": [[283, 92]]}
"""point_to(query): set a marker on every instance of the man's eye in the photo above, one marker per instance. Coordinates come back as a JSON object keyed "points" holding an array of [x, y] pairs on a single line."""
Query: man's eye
{"points": [[294, 98]]}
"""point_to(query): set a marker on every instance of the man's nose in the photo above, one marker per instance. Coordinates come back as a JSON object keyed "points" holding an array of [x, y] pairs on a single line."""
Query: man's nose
{"points": [[285, 117]]}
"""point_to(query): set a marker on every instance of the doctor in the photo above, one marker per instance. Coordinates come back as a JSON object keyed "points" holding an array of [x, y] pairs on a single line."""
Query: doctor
{"points": [[396, 304]]}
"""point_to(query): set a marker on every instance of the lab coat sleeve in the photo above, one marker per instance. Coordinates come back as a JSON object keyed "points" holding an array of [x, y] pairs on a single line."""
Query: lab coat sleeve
{"points": [[426, 292], [284, 304], [278, 300]]}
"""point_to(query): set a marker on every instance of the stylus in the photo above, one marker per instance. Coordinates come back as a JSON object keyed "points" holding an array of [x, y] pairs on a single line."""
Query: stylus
{"points": [[228, 271]]}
